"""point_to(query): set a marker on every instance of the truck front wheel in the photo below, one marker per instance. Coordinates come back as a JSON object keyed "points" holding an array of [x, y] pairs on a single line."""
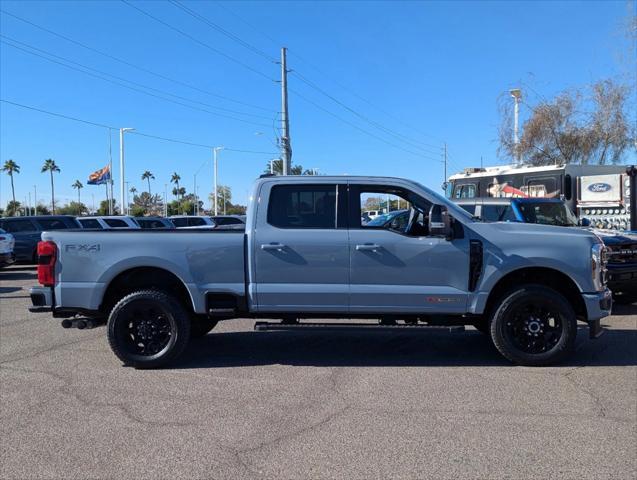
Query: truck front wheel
{"points": [[148, 329], [534, 325]]}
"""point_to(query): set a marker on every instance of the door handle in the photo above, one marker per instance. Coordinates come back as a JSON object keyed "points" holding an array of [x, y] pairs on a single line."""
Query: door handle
{"points": [[367, 247], [273, 246]]}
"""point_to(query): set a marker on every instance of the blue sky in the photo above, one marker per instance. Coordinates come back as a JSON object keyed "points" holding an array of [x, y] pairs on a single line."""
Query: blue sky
{"points": [[431, 72]]}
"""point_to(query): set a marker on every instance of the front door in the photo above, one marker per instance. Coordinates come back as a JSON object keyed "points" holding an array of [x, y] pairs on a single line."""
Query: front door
{"points": [[301, 257], [396, 265]]}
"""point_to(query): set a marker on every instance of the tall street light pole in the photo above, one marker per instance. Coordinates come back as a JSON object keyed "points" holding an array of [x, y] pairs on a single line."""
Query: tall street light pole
{"points": [[122, 180], [35, 198], [516, 93], [286, 156], [214, 191]]}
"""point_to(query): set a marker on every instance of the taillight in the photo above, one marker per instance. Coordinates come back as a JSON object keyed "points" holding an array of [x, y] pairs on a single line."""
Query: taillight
{"points": [[47, 254]]}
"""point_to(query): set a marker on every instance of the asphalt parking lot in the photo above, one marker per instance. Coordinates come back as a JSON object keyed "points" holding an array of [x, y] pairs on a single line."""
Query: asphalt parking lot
{"points": [[243, 404]]}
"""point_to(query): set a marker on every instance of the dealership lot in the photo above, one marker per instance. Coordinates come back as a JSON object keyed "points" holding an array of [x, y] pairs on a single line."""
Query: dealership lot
{"points": [[242, 404]]}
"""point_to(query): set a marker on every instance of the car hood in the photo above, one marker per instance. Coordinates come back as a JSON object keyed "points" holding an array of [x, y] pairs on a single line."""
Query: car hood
{"points": [[531, 229], [613, 237]]}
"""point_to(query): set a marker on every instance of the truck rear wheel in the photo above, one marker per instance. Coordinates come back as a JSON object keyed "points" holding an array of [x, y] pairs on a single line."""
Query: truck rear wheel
{"points": [[534, 325], [148, 329]]}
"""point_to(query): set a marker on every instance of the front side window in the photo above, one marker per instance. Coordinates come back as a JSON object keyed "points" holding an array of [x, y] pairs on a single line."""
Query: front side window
{"points": [[115, 223], [497, 213], [392, 209], [303, 206], [466, 191]]}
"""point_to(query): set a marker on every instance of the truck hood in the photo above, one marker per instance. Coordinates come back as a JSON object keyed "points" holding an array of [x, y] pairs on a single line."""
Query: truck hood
{"points": [[613, 237], [531, 229]]}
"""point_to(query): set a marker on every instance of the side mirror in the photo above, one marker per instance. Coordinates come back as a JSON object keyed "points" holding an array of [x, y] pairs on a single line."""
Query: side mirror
{"points": [[444, 186], [584, 222], [440, 222]]}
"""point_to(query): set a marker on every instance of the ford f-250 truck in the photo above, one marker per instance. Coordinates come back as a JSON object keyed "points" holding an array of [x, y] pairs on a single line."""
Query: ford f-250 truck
{"points": [[305, 254]]}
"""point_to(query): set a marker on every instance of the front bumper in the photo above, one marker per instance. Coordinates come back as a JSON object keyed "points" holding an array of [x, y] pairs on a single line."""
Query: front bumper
{"points": [[622, 278], [41, 299], [598, 305], [7, 258]]}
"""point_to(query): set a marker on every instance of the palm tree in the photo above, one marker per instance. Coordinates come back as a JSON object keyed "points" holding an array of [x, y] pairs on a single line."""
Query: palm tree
{"points": [[11, 167], [147, 175], [133, 190], [79, 186], [50, 166], [175, 179]]}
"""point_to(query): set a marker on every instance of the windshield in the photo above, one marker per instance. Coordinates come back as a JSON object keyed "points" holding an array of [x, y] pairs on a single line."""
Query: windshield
{"points": [[547, 213]]}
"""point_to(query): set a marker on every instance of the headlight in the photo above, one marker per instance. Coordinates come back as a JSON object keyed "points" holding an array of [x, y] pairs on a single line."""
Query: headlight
{"points": [[599, 259]]}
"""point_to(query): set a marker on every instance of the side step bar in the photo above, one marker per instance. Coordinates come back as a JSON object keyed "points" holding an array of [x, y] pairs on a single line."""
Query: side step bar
{"points": [[343, 327]]}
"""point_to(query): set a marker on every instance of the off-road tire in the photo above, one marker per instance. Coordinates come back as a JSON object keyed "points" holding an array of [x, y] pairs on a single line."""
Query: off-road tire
{"points": [[172, 314], [505, 313], [200, 325]]}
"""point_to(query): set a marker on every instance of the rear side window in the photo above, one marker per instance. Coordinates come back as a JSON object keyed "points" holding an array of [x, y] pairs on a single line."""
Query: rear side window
{"points": [[89, 223], [497, 213], [116, 223], [52, 224], [303, 206], [15, 226], [196, 222], [227, 221]]}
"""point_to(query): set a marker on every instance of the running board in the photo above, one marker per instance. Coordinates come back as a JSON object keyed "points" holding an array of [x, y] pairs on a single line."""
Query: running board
{"points": [[341, 327]]}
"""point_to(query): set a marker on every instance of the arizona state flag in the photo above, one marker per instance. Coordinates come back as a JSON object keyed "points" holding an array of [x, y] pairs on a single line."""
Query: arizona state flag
{"points": [[101, 176]]}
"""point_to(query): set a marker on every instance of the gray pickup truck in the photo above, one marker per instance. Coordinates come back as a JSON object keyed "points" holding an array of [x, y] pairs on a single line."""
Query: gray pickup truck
{"points": [[305, 254]]}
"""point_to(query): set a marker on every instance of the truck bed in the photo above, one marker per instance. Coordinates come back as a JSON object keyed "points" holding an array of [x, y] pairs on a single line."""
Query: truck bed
{"points": [[202, 259]]}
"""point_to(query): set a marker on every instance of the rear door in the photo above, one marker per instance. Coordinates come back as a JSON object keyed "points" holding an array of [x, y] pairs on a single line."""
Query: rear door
{"points": [[396, 271], [301, 259]]}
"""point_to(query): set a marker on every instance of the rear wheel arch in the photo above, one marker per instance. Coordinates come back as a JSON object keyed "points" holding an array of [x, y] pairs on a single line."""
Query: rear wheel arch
{"points": [[548, 277], [145, 278]]}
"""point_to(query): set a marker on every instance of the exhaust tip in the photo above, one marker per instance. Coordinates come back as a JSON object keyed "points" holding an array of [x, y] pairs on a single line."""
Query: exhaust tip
{"points": [[66, 323]]}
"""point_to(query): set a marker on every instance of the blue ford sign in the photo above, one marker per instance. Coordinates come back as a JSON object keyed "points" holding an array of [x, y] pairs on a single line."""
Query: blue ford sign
{"points": [[599, 187]]}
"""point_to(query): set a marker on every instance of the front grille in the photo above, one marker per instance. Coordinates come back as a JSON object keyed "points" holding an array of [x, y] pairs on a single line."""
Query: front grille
{"points": [[622, 254]]}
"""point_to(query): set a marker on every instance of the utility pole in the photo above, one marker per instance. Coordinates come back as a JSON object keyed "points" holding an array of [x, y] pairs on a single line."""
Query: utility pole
{"points": [[35, 198], [165, 200], [516, 93], [286, 148], [30, 212], [123, 194], [445, 162], [214, 191]]}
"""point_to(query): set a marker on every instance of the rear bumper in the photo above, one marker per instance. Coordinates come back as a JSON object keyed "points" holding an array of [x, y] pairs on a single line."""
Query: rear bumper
{"points": [[41, 299], [7, 258]]}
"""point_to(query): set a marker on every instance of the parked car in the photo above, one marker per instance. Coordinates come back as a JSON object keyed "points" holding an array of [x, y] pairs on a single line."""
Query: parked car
{"points": [[7, 242], [192, 221], [26, 232], [106, 222], [229, 222], [396, 220], [305, 254], [622, 246], [153, 223]]}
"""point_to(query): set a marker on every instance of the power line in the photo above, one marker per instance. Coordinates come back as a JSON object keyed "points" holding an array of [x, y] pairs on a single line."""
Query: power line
{"points": [[102, 125], [353, 125], [203, 44], [222, 30], [341, 85], [129, 64], [363, 117], [101, 74]]}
